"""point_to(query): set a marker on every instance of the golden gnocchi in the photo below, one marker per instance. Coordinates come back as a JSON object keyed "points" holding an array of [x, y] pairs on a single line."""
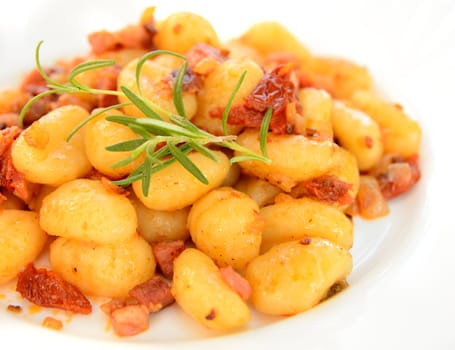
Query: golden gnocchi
{"points": [[86, 210], [107, 270], [21, 241], [212, 230], [42, 154], [201, 291], [293, 277], [220, 175]]}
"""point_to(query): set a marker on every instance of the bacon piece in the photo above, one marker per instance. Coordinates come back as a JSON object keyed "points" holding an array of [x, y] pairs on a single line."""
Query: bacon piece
{"points": [[130, 37], [154, 293], [130, 320], [165, 252], [8, 119], [204, 58], [116, 303], [107, 80], [399, 177], [45, 288], [127, 316], [39, 108], [33, 83], [7, 136], [236, 281], [330, 189], [276, 89]]}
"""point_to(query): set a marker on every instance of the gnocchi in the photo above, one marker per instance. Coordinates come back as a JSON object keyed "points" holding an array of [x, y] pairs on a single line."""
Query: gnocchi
{"points": [[21, 241], [212, 230], [42, 154], [86, 210], [202, 293], [294, 276], [175, 188], [220, 175], [107, 270], [294, 219]]}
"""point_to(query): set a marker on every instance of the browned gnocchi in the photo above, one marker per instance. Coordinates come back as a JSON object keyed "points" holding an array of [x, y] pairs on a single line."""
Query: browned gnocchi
{"points": [[219, 175]]}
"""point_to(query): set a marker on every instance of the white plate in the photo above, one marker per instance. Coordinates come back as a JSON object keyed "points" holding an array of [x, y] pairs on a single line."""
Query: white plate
{"points": [[402, 286]]}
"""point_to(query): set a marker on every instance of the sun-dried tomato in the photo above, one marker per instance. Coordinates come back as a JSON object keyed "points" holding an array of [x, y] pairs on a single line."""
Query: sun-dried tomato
{"points": [[330, 189], [45, 288], [401, 175], [276, 89]]}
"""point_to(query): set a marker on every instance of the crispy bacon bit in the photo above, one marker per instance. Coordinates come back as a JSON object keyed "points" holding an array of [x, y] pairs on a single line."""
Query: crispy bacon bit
{"points": [[154, 293], [211, 315], [330, 189], [107, 80], [203, 58], [305, 241], [33, 83], [7, 136], [45, 288], [14, 308], [130, 320], [115, 304], [39, 108], [52, 323], [276, 89], [130, 37], [191, 82], [236, 281], [8, 120], [165, 253], [399, 177]]}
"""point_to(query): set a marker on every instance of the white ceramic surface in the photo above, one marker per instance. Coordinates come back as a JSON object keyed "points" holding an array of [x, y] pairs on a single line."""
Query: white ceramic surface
{"points": [[402, 286]]}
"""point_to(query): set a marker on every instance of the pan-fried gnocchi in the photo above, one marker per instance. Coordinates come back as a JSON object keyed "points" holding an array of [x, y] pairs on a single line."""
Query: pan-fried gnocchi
{"points": [[21, 240], [86, 210], [224, 179], [107, 270], [202, 292], [293, 277], [226, 241], [293, 219], [42, 154]]}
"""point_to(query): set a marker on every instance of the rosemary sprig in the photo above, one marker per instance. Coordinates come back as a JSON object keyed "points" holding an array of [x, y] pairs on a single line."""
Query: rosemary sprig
{"points": [[160, 142], [72, 87]]}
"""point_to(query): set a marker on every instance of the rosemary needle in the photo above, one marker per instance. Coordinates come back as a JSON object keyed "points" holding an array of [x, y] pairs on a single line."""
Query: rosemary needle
{"points": [[177, 137]]}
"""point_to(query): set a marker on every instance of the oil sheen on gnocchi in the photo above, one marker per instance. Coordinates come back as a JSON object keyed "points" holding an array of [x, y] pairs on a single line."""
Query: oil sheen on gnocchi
{"points": [[272, 237]]}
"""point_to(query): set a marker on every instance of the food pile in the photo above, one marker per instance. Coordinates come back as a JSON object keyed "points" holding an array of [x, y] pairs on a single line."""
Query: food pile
{"points": [[166, 166]]}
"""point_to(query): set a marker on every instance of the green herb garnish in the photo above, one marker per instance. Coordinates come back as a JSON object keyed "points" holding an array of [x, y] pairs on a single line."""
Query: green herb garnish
{"points": [[161, 142]]}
